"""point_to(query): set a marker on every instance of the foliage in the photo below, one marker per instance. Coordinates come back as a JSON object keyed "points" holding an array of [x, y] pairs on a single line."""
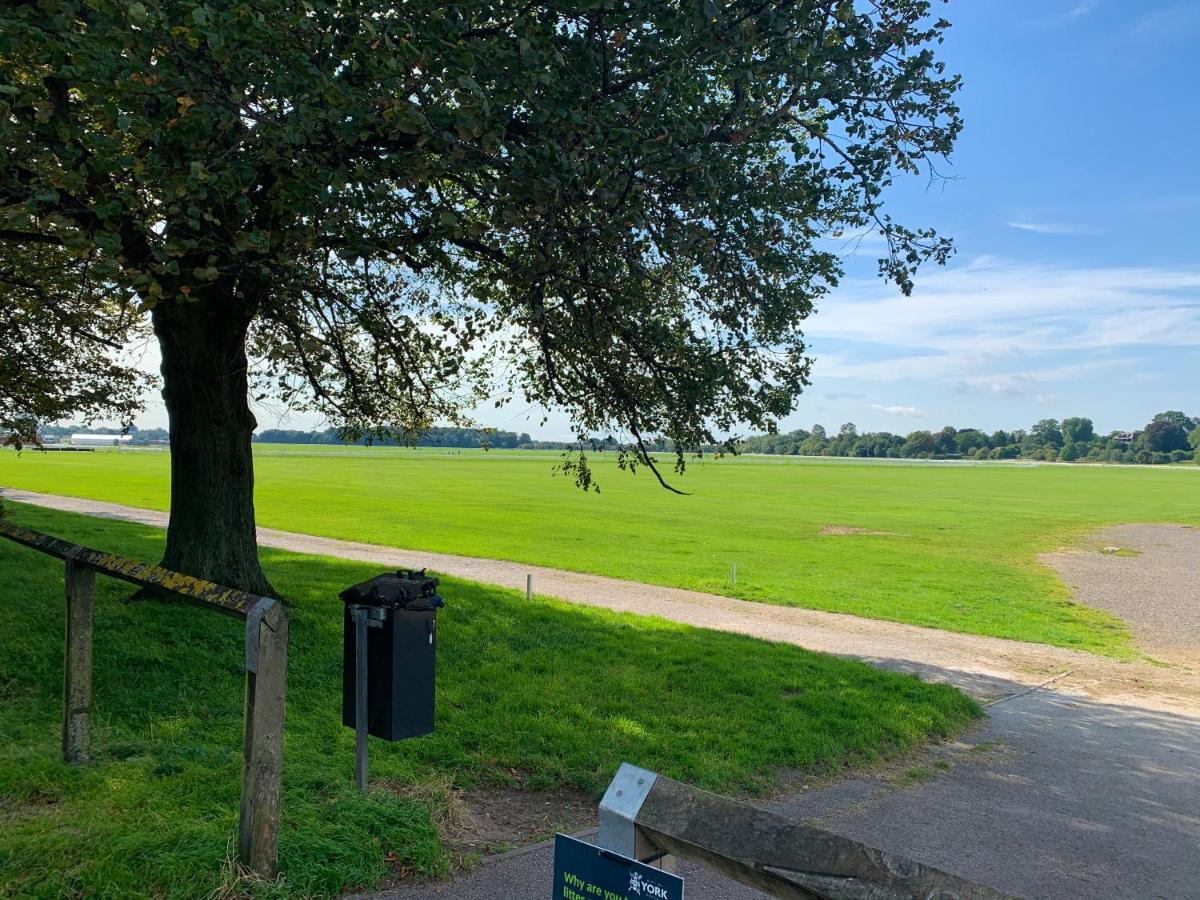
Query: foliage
{"points": [[576, 691], [1168, 431], [613, 211], [951, 547], [1078, 430], [62, 341], [430, 437], [1074, 441]]}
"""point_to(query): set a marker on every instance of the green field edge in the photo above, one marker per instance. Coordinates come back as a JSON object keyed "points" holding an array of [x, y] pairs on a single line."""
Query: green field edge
{"points": [[1117, 640]]}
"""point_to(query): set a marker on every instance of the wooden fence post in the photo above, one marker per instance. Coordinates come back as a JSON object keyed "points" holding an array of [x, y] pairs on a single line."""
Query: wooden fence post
{"points": [[262, 775], [77, 663]]}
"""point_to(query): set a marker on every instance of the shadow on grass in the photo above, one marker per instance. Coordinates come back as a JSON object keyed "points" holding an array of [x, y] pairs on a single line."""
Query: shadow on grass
{"points": [[537, 695]]}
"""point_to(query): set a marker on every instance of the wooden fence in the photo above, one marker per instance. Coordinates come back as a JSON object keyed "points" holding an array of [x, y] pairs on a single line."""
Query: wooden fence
{"points": [[266, 674], [645, 816]]}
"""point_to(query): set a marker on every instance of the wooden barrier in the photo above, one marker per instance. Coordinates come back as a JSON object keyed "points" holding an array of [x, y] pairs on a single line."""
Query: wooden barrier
{"points": [[266, 674], [644, 816]]}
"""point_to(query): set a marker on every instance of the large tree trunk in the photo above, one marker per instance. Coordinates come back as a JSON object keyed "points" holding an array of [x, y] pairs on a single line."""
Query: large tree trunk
{"points": [[211, 534]]}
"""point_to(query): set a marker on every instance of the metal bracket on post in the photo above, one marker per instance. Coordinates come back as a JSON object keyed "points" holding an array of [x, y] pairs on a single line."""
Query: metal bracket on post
{"points": [[254, 620], [359, 614], [364, 617], [619, 810]]}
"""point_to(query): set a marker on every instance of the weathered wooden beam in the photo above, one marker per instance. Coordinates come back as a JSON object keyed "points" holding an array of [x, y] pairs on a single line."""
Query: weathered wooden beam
{"points": [[782, 857], [206, 593], [262, 773], [77, 663]]}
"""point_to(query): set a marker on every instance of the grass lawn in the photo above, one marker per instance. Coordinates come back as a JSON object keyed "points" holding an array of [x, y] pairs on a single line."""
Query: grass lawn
{"points": [[542, 694], [951, 547]]}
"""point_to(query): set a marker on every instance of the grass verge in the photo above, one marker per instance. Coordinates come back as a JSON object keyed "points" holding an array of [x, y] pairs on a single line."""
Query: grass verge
{"points": [[542, 695], [945, 546]]}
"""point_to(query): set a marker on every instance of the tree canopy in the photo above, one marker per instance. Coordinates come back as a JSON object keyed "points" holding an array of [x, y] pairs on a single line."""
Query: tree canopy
{"points": [[389, 213]]}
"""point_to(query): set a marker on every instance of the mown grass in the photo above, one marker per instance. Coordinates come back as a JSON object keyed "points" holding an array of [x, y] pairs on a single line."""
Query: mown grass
{"points": [[955, 547], [540, 695]]}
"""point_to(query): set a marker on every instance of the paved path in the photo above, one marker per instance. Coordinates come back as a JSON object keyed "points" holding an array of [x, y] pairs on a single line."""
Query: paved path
{"points": [[1085, 787], [1054, 797], [985, 667]]}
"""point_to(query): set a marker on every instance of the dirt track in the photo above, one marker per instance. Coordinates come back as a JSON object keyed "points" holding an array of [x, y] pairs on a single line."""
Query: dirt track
{"points": [[988, 668]]}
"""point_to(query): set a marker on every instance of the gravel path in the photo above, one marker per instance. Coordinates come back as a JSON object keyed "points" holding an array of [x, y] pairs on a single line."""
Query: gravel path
{"points": [[1156, 591], [985, 667]]}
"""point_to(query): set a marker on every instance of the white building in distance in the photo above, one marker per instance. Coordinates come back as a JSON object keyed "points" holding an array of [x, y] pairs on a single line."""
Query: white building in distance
{"points": [[100, 440]]}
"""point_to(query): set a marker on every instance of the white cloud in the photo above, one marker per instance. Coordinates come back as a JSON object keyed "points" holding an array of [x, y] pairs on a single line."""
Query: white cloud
{"points": [[1072, 14], [986, 323], [910, 411], [1049, 228]]}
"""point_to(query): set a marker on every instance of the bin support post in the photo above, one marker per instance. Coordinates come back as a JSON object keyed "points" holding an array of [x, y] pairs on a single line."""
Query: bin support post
{"points": [[77, 663], [262, 773], [360, 696]]}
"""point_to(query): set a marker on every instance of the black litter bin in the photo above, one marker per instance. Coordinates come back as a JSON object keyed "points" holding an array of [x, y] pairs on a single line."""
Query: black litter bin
{"points": [[401, 609]]}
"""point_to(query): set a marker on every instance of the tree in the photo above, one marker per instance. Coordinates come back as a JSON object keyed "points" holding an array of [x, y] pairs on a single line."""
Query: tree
{"points": [[918, 444], [968, 440], [1168, 431], [61, 343], [1046, 433], [1077, 430], [398, 210]]}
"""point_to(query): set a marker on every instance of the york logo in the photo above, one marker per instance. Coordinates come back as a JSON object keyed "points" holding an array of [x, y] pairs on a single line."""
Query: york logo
{"points": [[643, 888]]}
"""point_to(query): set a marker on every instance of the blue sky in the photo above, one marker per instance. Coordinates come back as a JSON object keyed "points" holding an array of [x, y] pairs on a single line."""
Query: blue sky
{"points": [[1075, 206], [1074, 199]]}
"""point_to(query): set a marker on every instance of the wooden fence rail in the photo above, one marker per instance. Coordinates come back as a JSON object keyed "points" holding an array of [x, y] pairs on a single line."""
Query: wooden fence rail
{"points": [[266, 674], [644, 816]]}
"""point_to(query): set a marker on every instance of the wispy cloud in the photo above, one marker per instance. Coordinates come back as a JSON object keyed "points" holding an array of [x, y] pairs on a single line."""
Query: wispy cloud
{"points": [[910, 411], [1071, 14], [986, 323], [1050, 228], [1174, 21]]}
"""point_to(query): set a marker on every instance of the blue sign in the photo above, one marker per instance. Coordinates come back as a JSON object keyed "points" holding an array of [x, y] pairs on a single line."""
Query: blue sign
{"points": [[583, 871]]}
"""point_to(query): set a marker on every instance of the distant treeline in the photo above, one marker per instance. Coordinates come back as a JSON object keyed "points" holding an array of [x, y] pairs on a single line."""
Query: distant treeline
{"points": [[446, 437], [1168, 437], [434, 437]]}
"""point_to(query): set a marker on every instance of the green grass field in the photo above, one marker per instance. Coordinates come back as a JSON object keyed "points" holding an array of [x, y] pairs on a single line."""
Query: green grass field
{"points": [[956, 546], [541, 695]]}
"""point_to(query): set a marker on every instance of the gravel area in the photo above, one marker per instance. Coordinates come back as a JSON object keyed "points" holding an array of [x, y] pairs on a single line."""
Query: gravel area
{"points": [[1145, 575]]}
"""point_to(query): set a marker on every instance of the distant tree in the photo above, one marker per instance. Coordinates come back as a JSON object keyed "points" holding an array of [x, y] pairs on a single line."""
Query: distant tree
{"points": [[918, 444], [1077, 430], [1168, 431], [1000, 439], [1046, 433], [1070, 452], [968, 440], [1194, 443]]}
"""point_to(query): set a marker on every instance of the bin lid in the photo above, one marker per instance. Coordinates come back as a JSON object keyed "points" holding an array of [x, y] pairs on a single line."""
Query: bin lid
{"points": [[414, 591]]}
